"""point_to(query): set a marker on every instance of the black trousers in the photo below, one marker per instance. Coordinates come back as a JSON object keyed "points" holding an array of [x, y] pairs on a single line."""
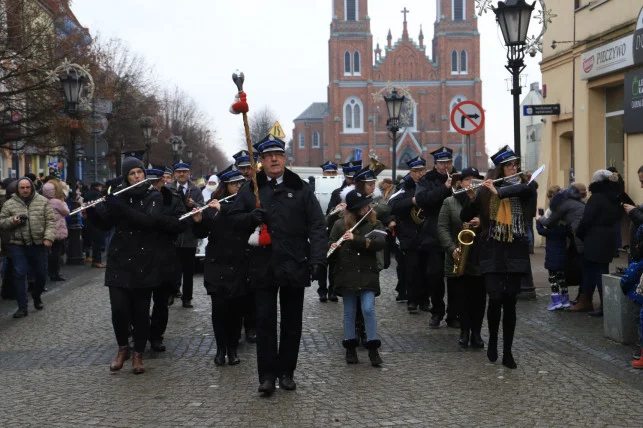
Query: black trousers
{"points": [[502, 304], [131, 307], [185, 269], [470, 300], [249, 311], [160, 312], [53, 262], [326, 285], [425, 280], [275, 359], [226, 321], [400, 269]]}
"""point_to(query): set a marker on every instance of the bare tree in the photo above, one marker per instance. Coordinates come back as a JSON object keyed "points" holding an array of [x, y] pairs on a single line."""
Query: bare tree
{"points": [[260, 122]]}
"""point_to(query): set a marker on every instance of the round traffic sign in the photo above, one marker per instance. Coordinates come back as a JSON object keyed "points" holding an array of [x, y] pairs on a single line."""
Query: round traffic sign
{"points": [[467, 117]]}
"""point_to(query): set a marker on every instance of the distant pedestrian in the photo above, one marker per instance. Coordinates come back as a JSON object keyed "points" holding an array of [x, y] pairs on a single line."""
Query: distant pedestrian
{"points": [[61, 210]]}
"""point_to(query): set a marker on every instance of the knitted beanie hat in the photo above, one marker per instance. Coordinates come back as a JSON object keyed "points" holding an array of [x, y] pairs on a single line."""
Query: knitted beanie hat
{"points": [[129, 164]]}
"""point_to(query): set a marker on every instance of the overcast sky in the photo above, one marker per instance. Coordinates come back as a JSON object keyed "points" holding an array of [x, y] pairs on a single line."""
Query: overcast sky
{"points": [[282, 47]]}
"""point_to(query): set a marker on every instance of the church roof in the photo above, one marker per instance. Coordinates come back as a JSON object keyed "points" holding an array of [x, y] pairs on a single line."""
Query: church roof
{"points": [[314, 111]]}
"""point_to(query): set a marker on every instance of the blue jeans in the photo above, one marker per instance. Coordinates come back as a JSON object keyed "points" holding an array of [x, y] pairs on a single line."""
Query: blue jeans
{"points": [[368, 310], [32, 260]]}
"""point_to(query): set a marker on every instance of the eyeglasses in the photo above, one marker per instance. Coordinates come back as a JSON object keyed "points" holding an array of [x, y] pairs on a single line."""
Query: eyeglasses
{"points": [[511, 165]]}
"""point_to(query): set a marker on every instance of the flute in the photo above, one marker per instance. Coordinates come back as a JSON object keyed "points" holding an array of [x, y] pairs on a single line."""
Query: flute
{"points": [[203, 208], [102, 198], [340, 240], [338, 209]]}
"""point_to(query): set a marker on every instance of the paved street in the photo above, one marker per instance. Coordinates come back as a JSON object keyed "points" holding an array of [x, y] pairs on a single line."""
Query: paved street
{"points": [[54, 367]]}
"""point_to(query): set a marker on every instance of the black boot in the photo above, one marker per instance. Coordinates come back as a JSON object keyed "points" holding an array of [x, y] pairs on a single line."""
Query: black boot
{"points": [[21, 313], [492, 349], [373, 354], [233, 358], [351, 353], [37, 302], [219, 358], [476, 340], [508, 360], [463, 342]]}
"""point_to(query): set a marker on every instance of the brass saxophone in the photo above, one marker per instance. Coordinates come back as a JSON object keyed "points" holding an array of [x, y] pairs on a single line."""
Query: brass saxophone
{"points": [[465, 239]]}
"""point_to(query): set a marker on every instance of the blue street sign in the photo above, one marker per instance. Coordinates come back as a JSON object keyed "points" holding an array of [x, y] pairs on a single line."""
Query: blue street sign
{"points": [[358, 154]]}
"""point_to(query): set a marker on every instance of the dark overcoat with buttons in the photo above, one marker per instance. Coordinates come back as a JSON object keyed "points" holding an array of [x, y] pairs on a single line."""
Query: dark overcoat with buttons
{"points": [[225, 264], [297, 229], [135, 251]]}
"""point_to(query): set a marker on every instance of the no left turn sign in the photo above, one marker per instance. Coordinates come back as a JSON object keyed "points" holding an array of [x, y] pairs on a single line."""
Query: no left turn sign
{"points": [[467, 117]]}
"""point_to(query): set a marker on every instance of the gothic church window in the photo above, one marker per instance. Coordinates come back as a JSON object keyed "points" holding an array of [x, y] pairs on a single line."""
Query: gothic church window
{"points": [[302, 141], [353, 115], [356, 64], [458, 10], [454, 62], [347, 64], [463, 62], [351, 10], [315, 140]]}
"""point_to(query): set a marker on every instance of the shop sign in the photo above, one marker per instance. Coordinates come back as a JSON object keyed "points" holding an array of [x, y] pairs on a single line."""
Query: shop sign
{"points": [[633, 108], [637, 41], [610, 57]]}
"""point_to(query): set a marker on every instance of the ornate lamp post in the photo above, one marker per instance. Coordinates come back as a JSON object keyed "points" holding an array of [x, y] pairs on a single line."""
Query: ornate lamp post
{"points": [[394, 104], [177, 145], [145, 122], [513, 17], [74, 80]]}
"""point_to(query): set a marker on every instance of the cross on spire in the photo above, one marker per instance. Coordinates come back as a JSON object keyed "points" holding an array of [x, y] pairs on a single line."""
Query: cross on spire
{"points": [[405, 11]]}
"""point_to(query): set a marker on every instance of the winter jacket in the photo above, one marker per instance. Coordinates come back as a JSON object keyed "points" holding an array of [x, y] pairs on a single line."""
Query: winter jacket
{"points": [[630, 281], [556, 244], [40, 226], [401, 204], [137, 250], [568, 207], [225, 264], [187, 238], [172, 209], [60, 209], [430, 193], [449, 226], [356, 266], [596, 228], [496, 256], [636, 217], [296, 225]]}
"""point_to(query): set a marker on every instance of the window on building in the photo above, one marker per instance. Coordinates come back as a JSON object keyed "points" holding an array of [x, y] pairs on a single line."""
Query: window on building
{"points": [[455, 100], [463, 62], [454, 62], [315, 140], [356, 64], [302, 140], [347, 64], [458, 10], [353, 115], [351, 10], [614, 136]]}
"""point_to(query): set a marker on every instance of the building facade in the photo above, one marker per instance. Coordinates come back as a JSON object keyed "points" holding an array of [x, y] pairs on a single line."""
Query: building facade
{"points": [[591, 75], [531, 129], [353, 119]]}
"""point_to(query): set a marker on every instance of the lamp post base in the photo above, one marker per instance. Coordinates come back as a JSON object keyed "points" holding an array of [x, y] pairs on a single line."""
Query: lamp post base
{"points": [[75, 254]]}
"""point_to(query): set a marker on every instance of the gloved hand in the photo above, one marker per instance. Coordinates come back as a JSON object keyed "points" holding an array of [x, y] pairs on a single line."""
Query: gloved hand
{"points": [[258, 216], [113, 202], [317, 272]]}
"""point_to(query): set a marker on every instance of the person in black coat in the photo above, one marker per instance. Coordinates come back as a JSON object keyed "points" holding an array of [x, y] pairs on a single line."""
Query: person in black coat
{"points": [[291, 214], [504, 247], [172, 209], [596, 230], [132, 260], [96, 237], [225, 265], [325, 284], [407, 232], [349, 169], [636, 216], [431, 191]]}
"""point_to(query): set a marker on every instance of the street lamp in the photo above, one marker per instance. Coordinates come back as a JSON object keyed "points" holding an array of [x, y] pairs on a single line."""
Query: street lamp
{"points": [[189, 153], [175, 141], [394, 106], [513, 17], [145, 122]]}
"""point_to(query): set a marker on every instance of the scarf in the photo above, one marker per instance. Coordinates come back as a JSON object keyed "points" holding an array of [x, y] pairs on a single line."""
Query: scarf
{"points": [[506, 219]]}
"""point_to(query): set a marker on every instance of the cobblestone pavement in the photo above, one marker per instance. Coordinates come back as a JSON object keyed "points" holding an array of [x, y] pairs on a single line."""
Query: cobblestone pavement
{"points": [[54, 370]]}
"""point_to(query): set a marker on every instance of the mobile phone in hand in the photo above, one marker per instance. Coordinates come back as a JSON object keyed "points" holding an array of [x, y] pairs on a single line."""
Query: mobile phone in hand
{"points": [[541, 212]]}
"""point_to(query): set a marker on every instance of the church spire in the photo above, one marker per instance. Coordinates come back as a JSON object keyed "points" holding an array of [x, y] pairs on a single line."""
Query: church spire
{"points": [[405, 31], [389, 38], [421, 37]]}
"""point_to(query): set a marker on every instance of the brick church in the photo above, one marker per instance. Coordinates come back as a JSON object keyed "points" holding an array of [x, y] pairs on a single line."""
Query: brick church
{"points": [[353, 119]]}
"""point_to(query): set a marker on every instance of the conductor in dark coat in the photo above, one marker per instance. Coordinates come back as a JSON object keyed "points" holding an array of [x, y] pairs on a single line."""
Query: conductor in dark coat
{"points": [[284, 266]]}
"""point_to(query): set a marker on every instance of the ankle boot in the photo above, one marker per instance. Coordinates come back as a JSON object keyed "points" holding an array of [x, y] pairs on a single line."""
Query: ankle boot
{"points": [[373, 354], [492, 348], [508, 360], [137, 363], [219, 358], [121, 357], [351, 353], [463, 342], [476, 340], [584, 303], [233, 358]]}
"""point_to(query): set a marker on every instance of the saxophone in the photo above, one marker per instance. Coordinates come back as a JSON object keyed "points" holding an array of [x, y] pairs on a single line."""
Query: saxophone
{"points": [[465, 239]]}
